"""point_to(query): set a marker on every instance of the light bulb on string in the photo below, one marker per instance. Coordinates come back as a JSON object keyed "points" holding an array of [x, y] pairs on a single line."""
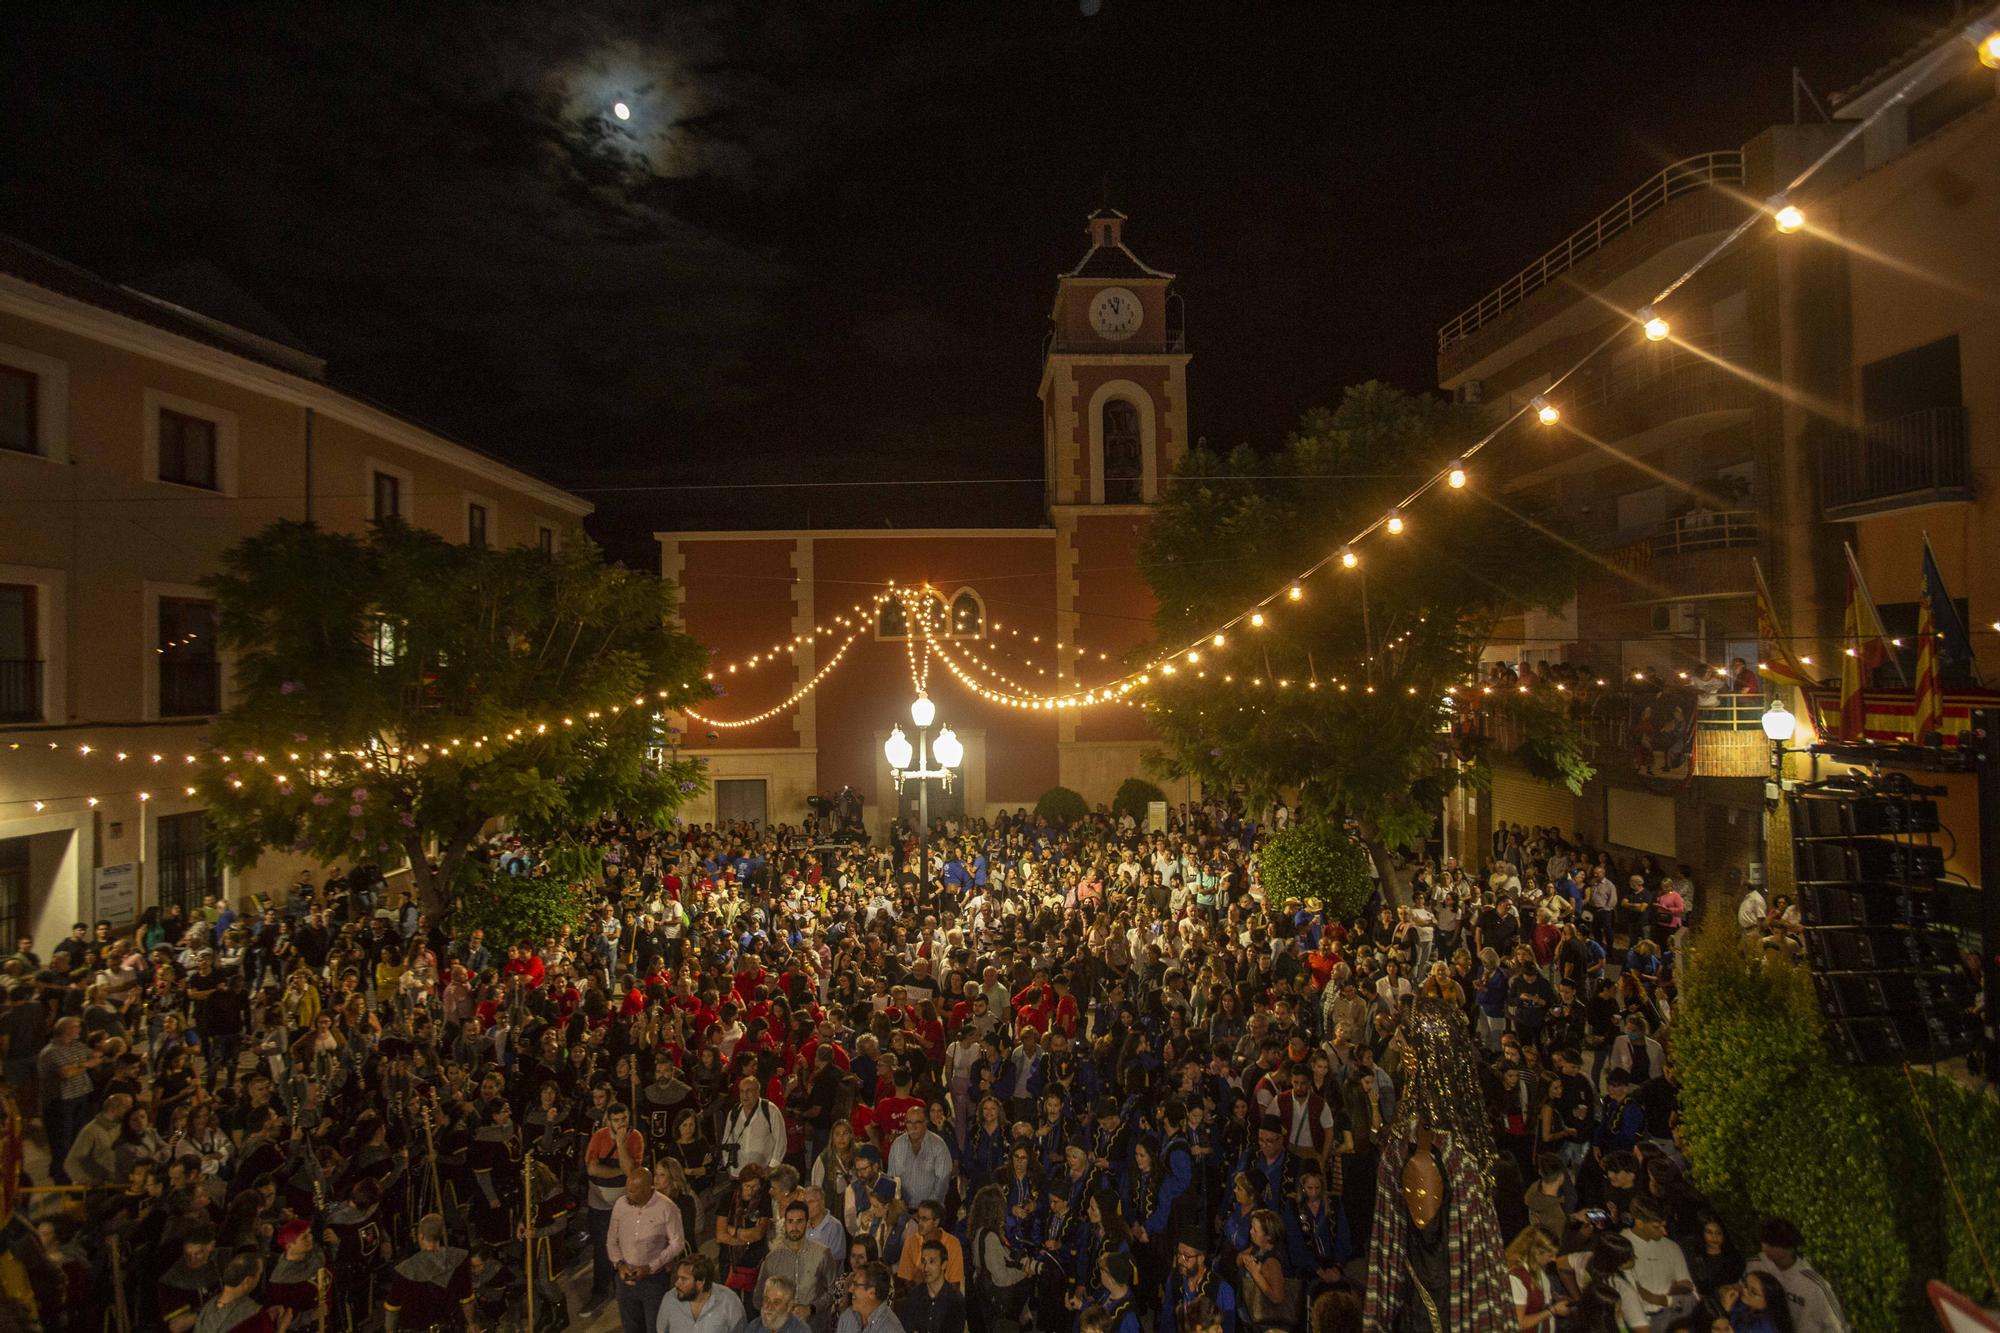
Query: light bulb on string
{"points": [[1394, 522], [1788, 217], [1348, 559], [1297, 593], [1655, 327], [1985, 39], [1257, 620], [1454, 475], [1546, 412]]}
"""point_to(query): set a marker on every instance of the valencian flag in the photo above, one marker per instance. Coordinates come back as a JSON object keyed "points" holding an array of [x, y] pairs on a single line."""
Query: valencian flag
{"points": [[1941, 633], [1775, 660], [1865, 646]]}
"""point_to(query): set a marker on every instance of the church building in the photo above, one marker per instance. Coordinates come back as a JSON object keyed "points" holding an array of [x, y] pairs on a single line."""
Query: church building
{"points": [[814, 654]]}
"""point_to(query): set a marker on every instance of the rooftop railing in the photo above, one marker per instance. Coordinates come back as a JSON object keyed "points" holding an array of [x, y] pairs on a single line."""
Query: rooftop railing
{"points": [[1701, 172]]}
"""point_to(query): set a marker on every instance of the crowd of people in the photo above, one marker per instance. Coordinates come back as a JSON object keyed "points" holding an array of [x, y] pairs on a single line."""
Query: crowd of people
{"points": [[1061, 1078]]}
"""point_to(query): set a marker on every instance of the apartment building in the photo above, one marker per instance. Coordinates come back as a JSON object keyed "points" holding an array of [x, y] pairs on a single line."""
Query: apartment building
{"points": [[142, 433], [1831, 384]]}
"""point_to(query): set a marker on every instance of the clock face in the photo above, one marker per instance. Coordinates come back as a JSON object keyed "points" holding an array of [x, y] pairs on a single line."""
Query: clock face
{"points": [[1115, 313]]}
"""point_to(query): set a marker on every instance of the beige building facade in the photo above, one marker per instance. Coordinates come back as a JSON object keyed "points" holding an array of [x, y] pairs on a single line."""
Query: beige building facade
{"points": [[140, 439], [1835, 385]]}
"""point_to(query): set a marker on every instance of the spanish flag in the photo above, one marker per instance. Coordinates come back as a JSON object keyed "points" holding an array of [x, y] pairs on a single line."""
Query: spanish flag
{"points": [[1776, 662], [1865, 646], [1941, 636]]}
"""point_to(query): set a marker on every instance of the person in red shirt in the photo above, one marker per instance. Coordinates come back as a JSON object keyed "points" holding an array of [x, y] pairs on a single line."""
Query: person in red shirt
{"points": [[887, 1114], [522, 961]]}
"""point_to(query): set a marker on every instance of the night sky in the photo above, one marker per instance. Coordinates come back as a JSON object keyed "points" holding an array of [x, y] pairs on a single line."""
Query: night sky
{"points": [[824, 246]]}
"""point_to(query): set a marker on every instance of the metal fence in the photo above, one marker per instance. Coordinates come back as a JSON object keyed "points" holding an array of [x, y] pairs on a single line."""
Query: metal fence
{"points": [[1924, 454], [1690, 174]]}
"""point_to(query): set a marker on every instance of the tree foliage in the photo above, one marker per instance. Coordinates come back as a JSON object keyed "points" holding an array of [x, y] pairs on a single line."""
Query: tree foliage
{"points": [[1341, 693], [1317, 861], [1060, 805], [1133, 796], [396, 692], [1772, 1125]]}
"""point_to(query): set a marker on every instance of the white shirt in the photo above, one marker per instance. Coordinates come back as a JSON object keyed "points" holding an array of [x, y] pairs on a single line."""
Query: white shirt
{"points": [[1658, 1265], [1750, 915], [759, 1136], [1815, 1308]]}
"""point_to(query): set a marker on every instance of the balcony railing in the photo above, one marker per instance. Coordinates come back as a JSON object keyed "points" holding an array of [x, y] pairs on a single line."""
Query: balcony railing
{"points": [[1706, 530], [1683, 177], [190, 688], [20, 690], [1922, 458], [1173, 340]]}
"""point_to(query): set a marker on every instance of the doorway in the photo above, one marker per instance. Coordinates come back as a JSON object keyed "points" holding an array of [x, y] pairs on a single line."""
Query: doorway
{"points": [[740, 800], [13, 889]]}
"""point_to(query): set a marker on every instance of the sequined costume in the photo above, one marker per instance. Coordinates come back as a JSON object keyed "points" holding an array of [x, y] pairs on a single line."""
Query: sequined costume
{"points": [[1408, 1291]]}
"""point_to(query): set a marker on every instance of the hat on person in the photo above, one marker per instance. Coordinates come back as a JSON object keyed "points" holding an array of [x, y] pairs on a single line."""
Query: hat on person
{"points": [[292, 1230]]}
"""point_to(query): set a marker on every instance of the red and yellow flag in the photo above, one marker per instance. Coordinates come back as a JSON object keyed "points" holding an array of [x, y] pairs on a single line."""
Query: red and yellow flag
{"points": [[1865, 646], [1776, 662]]}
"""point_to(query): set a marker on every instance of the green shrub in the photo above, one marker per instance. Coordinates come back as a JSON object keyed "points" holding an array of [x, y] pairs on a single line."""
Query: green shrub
{"points": [[1317, 861], [1134, 795], [1060, 805], [509, 907], [1773, 1124]]}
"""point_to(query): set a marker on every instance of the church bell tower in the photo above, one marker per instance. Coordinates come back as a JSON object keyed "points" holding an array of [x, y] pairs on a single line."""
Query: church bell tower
{"points": [[1114, 377]]}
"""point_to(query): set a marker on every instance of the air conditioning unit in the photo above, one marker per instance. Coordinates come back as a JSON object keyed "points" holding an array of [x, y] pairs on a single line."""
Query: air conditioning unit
{"points": [[1675, 618]]}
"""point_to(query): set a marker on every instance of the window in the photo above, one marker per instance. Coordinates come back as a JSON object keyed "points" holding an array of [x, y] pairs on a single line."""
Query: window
{"points": [[892, 621], [20, 658], [190, 668], [475, 525], [545, 540], [19, 426], [968, 617], [1124, 459], [189, 870], [387, 646], [388, 497], [1919, 380], [13, 887], [187, 449]]}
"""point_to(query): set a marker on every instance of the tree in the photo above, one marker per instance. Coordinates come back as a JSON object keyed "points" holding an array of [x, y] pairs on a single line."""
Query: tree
{"points": [[1134, 796], [1340, 693], [1317, 861], [397, 692]]}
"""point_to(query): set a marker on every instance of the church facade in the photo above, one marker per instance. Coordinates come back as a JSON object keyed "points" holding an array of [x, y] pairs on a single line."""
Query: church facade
{"points": [[815, 657]]}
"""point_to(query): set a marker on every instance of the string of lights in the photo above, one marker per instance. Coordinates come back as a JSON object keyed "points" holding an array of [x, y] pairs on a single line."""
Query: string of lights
{"points": [[1787, 217], [826, 669], [850, 620]]}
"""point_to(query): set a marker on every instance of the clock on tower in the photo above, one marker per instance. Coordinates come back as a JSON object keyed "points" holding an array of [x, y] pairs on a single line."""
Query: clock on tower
{"points": [[1114, 383]]}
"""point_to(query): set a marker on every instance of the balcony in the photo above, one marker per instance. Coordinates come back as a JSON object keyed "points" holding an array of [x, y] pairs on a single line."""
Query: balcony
{"points": [[1670, 383], [1907, 462], [1711, 175], [190, 688], [20, 690], [1705, 530]]}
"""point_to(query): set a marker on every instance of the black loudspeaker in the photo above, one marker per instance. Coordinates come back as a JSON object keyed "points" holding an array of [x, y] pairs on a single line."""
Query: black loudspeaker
{"points": [[1891, 982]]}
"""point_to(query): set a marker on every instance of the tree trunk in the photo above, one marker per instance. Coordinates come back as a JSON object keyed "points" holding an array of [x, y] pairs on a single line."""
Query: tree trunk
{"points": [[1395, 889]]}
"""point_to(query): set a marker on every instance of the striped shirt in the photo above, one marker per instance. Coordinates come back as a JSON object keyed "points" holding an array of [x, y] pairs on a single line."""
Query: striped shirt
{"points": [[56, 1085]]}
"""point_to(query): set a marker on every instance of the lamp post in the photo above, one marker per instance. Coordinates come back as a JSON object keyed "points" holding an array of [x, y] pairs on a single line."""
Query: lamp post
{"points": [[1779, 727], [948, 752]]}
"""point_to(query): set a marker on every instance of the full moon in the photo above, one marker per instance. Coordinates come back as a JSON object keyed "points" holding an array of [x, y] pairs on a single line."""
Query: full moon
{"points": [[620, 110]]}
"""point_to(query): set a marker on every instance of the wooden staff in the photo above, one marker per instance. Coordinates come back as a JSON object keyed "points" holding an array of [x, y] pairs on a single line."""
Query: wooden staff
{"points": [[529, 1232]]}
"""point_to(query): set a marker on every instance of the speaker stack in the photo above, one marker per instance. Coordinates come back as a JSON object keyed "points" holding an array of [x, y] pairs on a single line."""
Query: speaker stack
{"points": [[1890, 977]]}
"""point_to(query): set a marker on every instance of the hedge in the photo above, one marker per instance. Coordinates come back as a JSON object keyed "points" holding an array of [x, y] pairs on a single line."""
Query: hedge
{"points": [[1060, 805], [1317, 861], [1774, 1124], [1134, 795]]}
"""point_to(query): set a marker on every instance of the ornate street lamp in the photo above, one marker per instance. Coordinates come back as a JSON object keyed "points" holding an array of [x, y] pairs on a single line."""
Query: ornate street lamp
{"points": [[946, 750]]}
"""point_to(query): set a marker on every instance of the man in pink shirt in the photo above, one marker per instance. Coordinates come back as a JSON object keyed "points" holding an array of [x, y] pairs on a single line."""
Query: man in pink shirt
{"points": [[644, 1240]]}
